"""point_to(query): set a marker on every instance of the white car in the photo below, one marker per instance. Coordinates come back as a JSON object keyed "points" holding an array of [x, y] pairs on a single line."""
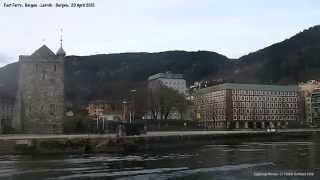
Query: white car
{"points": [[271, 130]]}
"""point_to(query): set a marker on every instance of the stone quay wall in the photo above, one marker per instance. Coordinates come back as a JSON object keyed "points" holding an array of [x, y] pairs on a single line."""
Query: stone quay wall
{"points": [[80, 144]]}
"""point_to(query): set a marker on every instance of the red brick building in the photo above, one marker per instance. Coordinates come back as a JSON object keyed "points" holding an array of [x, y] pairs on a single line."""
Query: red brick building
{"points": [[232, 105]]}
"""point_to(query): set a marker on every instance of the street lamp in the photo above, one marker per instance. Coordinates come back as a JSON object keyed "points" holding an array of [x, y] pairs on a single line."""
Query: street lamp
{"points": [[132, 109], [124, 110]]}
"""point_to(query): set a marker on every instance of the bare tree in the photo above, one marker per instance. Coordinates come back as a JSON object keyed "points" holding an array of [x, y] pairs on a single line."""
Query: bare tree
{"points": [[162, 100], [182, 106], [153, 103]]}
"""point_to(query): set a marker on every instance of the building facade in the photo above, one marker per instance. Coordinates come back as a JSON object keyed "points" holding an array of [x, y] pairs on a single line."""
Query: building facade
{"points": [[101, 107], [232, 105], [40, 96], [173, 115], [307, 89], [315, 107], [174, 81], [6, 113]]}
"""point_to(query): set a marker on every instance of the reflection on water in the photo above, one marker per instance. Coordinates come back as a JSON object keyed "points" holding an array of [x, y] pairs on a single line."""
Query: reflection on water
{"points": [[239, 161]]}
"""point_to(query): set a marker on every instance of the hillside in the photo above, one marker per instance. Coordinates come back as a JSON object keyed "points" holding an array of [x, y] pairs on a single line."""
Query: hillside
{"points": [[290, 61], [111, 76], [8, 79]]}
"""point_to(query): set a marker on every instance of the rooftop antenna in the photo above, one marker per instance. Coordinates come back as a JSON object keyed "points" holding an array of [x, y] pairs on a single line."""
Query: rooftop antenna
{"points": [[60, 51], [61, 31]]}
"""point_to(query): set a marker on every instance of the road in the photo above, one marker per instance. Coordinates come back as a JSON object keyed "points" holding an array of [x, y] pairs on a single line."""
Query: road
{"points": [[159, 133], [173, 133]]}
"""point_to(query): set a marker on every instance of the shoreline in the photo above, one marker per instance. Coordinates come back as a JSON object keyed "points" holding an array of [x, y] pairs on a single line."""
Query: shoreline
{"points": [[110, 143]]}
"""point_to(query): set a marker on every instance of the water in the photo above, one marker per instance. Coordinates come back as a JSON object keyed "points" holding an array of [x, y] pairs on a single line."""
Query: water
{"points": [[246, 160]]}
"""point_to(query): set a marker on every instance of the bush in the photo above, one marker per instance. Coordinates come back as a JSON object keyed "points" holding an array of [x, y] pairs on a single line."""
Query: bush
{"points": [[77, 125]]}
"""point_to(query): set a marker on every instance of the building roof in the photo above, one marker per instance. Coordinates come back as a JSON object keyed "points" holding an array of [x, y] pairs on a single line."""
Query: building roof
{"points": [[61, 52], [167, 75], [43, 52], [260, 87]]}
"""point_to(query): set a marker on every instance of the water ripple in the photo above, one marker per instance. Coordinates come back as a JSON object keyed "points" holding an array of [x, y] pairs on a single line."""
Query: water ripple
{"points": [[188, 172]]}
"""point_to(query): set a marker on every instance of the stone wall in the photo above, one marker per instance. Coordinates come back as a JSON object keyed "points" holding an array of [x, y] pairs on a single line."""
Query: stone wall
{"points": [[6, 113], [70, 144], [40, 98]]}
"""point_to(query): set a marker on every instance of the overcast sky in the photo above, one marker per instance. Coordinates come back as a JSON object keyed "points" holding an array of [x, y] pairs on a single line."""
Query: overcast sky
{"points": [[230, 27]]}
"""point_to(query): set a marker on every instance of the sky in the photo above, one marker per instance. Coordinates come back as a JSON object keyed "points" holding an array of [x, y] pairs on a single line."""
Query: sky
{"points": [[230, 27]]}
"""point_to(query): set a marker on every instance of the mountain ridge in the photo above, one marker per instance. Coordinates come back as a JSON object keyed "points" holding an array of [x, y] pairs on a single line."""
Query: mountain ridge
{"points": [[105, 76]]}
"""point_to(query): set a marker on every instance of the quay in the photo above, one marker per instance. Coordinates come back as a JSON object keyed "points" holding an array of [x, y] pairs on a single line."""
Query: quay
{"points": [[108, 143]]}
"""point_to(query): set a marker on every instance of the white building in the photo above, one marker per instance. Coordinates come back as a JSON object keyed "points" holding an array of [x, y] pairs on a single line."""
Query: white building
{"points": [[174, 81]]}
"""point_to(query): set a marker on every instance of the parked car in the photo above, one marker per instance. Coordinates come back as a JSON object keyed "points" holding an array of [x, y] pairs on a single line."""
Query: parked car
{"points": [[271, 130], [131, 129]]}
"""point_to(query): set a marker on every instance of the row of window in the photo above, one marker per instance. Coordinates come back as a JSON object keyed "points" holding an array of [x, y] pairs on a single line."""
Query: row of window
{"points": [[260, 92], [212, 106], [50, 93], [265, 117], [36, 68], [214, 124], [217, 93], [214, 100], [174, 83], [264, 111], [208, 99], [216, 118], [263, 105], [263, 98], [51, 109], [215, 111]]}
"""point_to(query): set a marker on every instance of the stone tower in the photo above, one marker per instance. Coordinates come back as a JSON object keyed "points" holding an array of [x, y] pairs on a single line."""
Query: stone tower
{"points": [[40, 96]]}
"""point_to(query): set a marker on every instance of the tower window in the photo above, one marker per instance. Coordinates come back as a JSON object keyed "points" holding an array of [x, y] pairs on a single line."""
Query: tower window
{"points": [[42, 108], [43, 75], [52, 109], [55, 68], [36, 67]]}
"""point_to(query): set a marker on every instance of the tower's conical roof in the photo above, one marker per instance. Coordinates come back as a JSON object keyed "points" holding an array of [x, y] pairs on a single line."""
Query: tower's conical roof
{"points": [[61, 52], [43, 52]]}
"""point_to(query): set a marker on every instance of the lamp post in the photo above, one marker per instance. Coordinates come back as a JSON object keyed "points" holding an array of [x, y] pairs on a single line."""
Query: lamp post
{"points": [[132, 109], [124, 111], [121, 124]]}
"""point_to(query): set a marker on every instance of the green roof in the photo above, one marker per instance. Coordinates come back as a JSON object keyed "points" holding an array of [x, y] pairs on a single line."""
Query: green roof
{"points": [[166, 75], [260, 87], [43, 52]]}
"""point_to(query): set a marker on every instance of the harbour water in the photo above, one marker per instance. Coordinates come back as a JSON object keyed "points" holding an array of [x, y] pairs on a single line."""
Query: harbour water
{"points": [[286, 159]]}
